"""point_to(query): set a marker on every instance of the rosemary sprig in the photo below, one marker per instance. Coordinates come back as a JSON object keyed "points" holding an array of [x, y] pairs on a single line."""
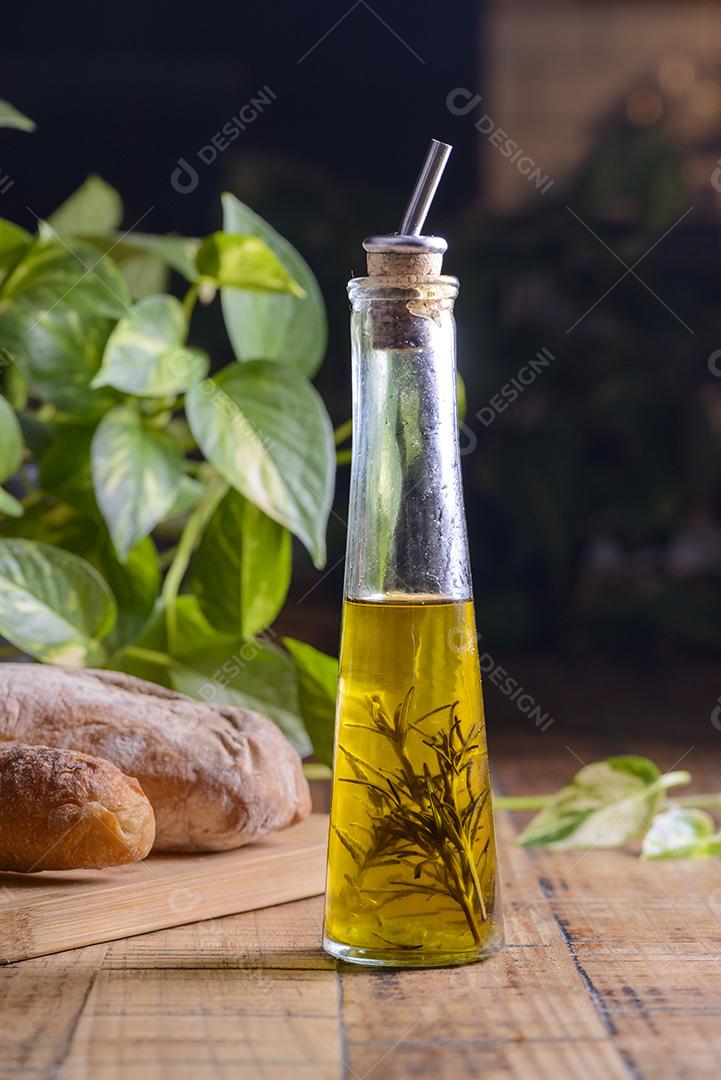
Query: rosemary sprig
{"points": [[426, 821]]}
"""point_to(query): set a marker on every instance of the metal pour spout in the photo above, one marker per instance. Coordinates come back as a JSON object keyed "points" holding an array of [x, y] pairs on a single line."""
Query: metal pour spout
{"points": [[425, 188]]}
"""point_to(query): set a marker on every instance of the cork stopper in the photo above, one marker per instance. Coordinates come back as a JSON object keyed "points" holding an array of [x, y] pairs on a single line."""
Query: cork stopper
{"points": [[405, 256]]}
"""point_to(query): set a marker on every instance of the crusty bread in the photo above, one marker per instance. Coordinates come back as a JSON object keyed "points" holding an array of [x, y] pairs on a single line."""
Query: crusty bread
{"points": [[60, 810], [217, 777]]}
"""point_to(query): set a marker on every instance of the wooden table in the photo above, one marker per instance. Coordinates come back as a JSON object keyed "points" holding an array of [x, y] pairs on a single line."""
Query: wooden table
{"points": [[611, 970]]}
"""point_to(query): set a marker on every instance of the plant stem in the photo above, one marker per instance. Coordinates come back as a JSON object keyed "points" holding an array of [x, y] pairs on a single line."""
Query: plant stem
{"points": [[698, 802], [537, 802], [189, 538], [313, 770], [520, 802], [149, 655], [189, 301], [343, 432]]}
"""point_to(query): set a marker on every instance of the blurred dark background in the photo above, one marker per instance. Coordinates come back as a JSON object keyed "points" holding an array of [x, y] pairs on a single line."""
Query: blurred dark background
{"points": [[582, 207]]}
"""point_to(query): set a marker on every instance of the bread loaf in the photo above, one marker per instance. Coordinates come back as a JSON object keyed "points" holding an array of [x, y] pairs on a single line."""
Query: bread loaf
{"points": [[216, 776], [60, 810]]}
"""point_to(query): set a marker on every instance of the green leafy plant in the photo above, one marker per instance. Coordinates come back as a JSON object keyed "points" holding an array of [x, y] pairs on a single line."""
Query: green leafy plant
{"points": [[614, 802], [149, 499]]}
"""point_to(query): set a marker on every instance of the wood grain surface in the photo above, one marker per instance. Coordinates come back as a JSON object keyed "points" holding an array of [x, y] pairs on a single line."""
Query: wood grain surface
{"points": [[50, 912], [611, 970]]}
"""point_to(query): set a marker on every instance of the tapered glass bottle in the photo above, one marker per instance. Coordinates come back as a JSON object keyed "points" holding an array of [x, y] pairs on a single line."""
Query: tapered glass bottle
{"points": [[411, 859]]}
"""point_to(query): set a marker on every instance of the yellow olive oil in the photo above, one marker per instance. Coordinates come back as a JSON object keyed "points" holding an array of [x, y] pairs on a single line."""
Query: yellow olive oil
{"points": [[411, 866]]}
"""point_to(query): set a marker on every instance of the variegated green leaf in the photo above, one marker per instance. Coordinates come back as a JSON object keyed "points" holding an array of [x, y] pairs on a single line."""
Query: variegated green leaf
{"points": [[265, 429], [95, 207], [244, 262], [10, 117], [317, 687], [274, 326], [11, 441], [241, 570], [53, 605], [145, 354], [681, 833], [136, 476], [607, 804]]}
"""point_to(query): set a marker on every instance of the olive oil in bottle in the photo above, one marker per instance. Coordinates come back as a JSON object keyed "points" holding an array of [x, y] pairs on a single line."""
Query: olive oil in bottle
{"points": [[411, 857]]}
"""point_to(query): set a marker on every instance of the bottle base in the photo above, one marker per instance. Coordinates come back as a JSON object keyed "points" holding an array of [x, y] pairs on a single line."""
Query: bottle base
{"points": [[408, 958]]}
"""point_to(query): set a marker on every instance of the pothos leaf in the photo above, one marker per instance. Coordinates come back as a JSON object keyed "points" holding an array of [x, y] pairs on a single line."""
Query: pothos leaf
{"points": [[317, 685], [53, 274], [134, 584], [136, 476], [218, 668], [274, 326], [94, 207], [241, 570], [10, 117], [244, 262], [681, 833], [9, 504], [58, 352], [53, 605], [252, 674], [607, 804], [265, 429], [11, 441], [145, 353], [14, 242]]}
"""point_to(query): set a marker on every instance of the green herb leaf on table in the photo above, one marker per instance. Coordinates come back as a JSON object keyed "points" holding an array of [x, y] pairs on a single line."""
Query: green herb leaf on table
{"points": [[606, 805], [136, 476], [317, 685], [53, 605], [681, 833], [274, 326], [145, 354], [243, 262], [266, 431], [96, 207], [241, 570], [10, 117]]}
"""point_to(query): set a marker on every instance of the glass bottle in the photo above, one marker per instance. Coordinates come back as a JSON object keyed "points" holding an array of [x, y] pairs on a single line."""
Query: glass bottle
{"points": [[411, 860]]}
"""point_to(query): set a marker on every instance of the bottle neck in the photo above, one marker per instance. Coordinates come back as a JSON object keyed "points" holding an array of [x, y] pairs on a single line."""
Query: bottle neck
{"points": [[407, 529]]}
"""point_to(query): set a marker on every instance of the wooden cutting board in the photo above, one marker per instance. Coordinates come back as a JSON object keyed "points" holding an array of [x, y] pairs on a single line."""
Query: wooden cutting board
{"points": [[57, 910]]}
